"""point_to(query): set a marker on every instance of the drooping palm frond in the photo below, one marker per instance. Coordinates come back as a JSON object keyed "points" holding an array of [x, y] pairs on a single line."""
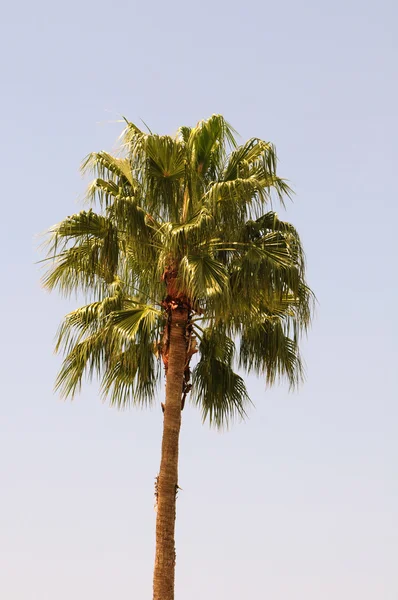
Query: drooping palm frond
{"points": [[77, 269], [114, 340], [88, 356], [266, 348], [218, 391], [89, 319], [132, 376]]}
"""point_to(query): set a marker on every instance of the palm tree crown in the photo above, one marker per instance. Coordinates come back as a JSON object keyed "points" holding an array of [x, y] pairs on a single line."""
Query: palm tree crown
{"points": [[182, 221]]}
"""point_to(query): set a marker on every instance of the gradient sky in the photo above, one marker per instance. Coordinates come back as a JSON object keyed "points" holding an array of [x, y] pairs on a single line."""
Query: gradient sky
{"points": [[301, 501]]}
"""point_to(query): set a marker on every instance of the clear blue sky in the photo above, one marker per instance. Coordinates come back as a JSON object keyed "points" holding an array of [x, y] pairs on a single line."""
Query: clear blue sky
{"points": [[301, 501]]}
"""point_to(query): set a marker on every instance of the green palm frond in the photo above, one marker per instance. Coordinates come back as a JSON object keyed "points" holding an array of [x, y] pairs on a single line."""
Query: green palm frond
{"points": [[132, 376], [87, 357], [89, 319], [131, 219], [256, 231], [136, 321], [184, 133], [266, 348], [118, 346], [207, 145], [174, 238], [133, 139], [166, 157], [92, 258], [217, 389], [104, 190], [78, 269], [203, 277], [266, 223], [141, 273], [200, 222], [107, 192], [106, 166], [246, 157], [257, 160], [239, 192], [272, 248], [85, 223]]}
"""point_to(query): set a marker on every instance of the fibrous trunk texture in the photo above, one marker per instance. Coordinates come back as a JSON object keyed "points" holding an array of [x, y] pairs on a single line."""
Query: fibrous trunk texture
{"points": [[167, 485]]}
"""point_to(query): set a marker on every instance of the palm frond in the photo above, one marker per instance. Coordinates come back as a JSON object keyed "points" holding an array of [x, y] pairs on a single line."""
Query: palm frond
{"points": [[132, 140], [84, 224], [184, 133], [118, 346], [137, 320], [175, 238], [106, 166], [93, 256], [166, 157], [257, 160], [89, 319], [202, 276], [241, 160], [265, 348], [132, 376], [233, 200], [86, 357], [78, 269], [207, 144], [217, 389]]}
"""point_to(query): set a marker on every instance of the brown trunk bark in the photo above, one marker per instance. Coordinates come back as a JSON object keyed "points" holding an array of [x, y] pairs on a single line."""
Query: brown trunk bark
{"points": [[163, 579]]}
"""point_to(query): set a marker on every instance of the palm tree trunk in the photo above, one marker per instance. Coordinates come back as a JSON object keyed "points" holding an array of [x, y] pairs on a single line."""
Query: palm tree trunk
{"points": [[163, 579]]}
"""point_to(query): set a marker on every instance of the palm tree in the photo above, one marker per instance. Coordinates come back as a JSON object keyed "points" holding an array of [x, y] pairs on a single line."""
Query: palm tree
{"points": [[183, 257]]}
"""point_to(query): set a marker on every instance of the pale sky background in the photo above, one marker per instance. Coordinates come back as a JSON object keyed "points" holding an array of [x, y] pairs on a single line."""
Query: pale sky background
{"points": [[301, 501]]}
